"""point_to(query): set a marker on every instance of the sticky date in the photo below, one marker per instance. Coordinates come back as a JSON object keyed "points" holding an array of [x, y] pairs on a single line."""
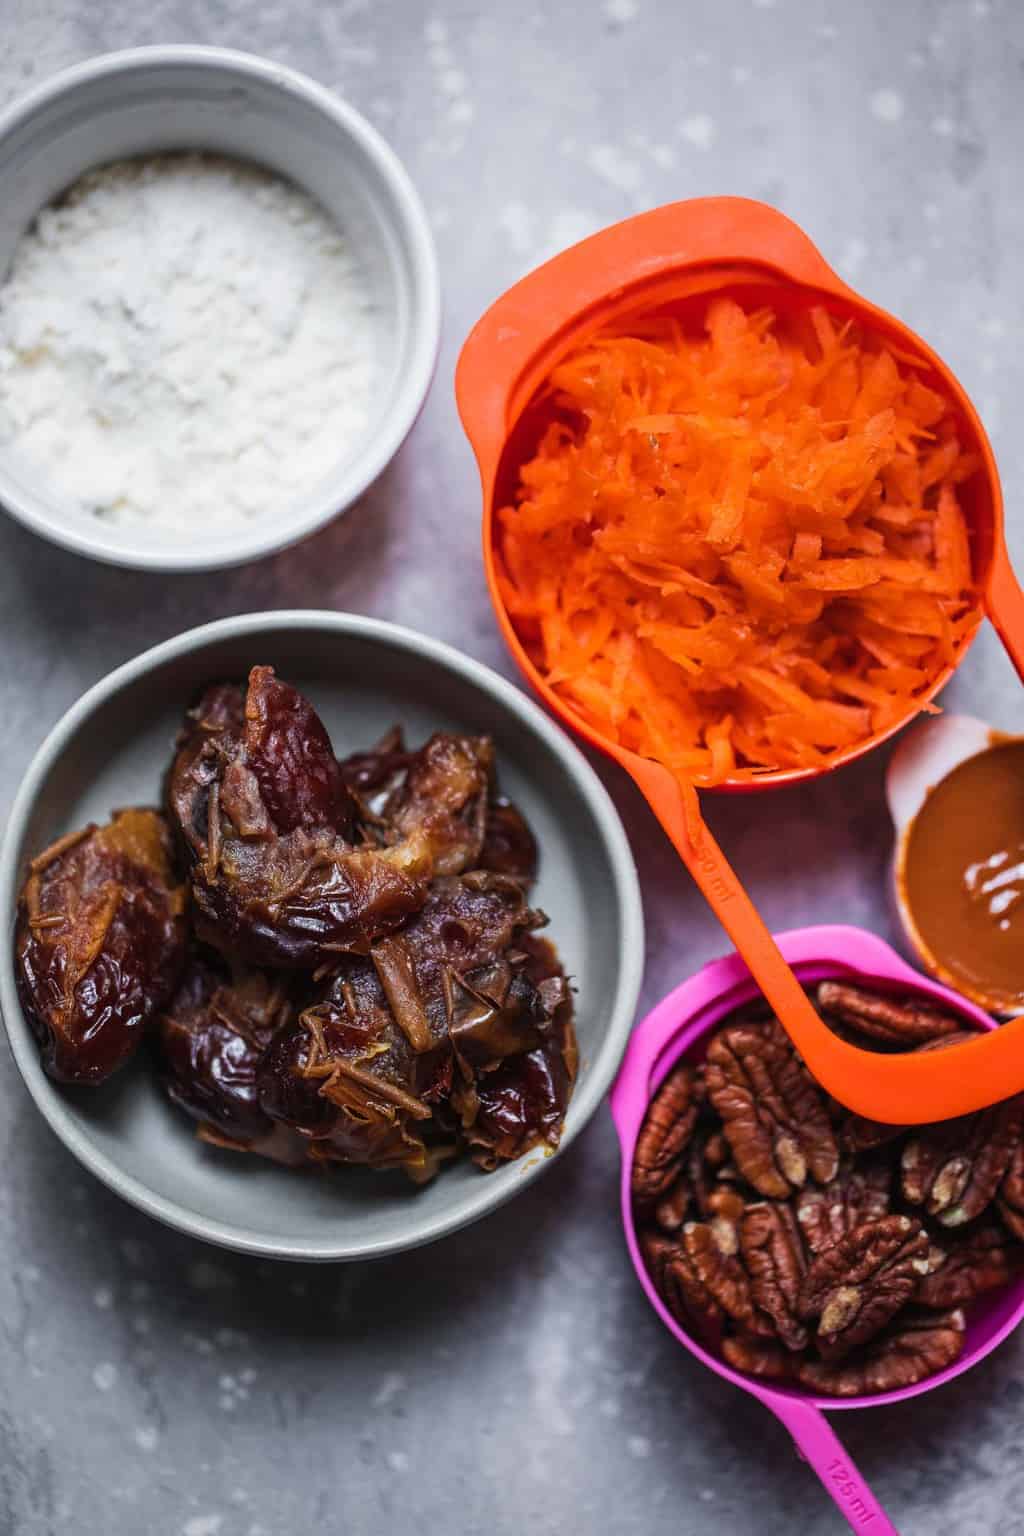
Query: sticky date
{"points": [[265, 817], [99, 943]]}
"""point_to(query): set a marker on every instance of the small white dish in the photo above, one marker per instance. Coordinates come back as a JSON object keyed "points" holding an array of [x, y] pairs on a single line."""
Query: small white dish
{"points": [[925, 756], [148, 100]]}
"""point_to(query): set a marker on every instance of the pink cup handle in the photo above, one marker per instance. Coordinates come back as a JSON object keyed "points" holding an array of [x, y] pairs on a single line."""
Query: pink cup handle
{"points": [[823, 1451]]}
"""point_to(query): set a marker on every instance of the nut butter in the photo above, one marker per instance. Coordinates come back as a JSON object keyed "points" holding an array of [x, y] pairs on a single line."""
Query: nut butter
{"points": [[961, 876]]}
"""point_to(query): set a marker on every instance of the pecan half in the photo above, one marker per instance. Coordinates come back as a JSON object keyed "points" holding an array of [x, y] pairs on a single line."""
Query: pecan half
{"points": [[657, 1251], [955, 1168], [756, 1356], [854, 1196], [1011, 1194], [674, 1206], [774, 1255], [773, 1112], [721, 1274], [689, 1301], [679, 1286], [725, 1212], [706, 1166], [857, 1285], [984, 1259], [915, 1347], [699, 1169], [665, 1135], [886, 1019]]}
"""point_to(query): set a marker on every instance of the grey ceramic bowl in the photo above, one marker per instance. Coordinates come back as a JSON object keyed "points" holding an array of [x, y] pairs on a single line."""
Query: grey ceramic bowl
{"points": [[112, 748], [147, 100]]}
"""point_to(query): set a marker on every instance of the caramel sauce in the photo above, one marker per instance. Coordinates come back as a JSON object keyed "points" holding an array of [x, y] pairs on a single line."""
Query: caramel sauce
{"points": [[962, 875]]}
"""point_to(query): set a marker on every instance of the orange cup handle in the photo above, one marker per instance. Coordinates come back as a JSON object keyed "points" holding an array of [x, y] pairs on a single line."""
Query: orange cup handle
{"points": [[1004, 602], [908, 1089], [514, 338]]}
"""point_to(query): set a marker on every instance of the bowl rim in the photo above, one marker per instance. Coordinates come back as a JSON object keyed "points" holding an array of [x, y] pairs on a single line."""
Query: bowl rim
{"points": [[604, 1064], [249, 542], [687, 1016]]}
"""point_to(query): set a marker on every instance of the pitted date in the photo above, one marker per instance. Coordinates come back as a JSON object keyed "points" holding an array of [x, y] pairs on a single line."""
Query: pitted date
{"points": [[464, 1011], [442, 801], [99, 944], [211, 1040], [266, 818], [509, 847]]}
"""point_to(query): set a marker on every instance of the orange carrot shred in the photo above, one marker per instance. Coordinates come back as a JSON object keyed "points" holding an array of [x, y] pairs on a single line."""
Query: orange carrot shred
{"points": [[741, 548]]}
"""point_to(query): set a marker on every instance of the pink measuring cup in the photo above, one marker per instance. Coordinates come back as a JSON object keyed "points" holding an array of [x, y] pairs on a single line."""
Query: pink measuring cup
{"points": [[679, 1026]]}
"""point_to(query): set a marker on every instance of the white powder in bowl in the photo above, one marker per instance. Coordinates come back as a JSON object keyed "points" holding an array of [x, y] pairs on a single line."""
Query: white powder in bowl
{"points": [[185, 341]]}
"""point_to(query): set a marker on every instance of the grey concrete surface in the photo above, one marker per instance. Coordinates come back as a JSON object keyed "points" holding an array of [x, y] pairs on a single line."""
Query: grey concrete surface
{"points": [[511, 1379]]}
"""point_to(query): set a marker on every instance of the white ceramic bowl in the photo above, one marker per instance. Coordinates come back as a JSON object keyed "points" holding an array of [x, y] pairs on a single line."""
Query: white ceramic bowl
{"points": [[149, 100], [111, 749]]}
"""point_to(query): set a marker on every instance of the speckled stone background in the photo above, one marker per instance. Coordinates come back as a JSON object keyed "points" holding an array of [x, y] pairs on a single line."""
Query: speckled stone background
{"points": [[513, 1378]]}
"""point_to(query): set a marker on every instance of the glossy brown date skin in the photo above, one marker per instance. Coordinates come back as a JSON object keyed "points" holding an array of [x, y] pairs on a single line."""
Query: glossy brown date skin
{"points": [[265, 818], [100, 941], [211, 1039], [342, 1079], [443, 800], [465, 924], [462, 1015], [522, 1103], [449, 791], [509, 846], [290, 755]]}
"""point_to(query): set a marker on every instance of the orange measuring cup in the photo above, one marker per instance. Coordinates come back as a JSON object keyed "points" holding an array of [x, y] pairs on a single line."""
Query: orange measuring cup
{"points": [[664, 259]]}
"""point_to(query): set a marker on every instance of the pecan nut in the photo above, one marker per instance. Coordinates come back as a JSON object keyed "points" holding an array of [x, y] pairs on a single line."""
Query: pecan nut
{"points": [[915, 1347], [665, 1135], [674, 1205], [981, 1261], [857, 1285], [789, 1259], [773, 1113], [888, 1020], [720, 1273], [774, 1256], [725, 1208], [679, 1286], [1011, 1194], [854, 1196], [955, 1168], [756, 1356], [657, 1250]]}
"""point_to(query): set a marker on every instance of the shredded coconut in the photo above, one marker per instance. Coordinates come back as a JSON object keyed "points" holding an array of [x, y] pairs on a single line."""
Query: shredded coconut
{"points": [[185, 340]]}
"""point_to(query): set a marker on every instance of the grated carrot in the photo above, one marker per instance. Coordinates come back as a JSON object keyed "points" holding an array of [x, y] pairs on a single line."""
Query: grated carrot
{"points": [[743, 549]]}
